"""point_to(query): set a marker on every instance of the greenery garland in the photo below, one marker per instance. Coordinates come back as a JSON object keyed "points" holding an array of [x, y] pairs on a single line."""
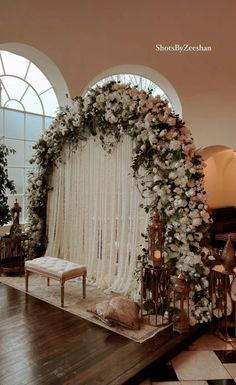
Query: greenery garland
{"points": [[165, 164]]}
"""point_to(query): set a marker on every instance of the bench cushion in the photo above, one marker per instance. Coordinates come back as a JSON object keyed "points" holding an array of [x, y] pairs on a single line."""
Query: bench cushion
{"points": [[56, 267]]}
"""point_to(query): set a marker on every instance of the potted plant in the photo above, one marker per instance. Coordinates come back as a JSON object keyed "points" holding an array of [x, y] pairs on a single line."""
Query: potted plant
{"points": [[5, 184]]}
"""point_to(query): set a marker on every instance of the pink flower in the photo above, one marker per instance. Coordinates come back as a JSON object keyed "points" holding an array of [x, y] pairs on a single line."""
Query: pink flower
{"points": [[170, 134], [171, 121]]}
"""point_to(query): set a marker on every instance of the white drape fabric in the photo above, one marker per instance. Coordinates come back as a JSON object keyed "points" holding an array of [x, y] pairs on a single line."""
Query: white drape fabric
{"points": [[94, 215]]}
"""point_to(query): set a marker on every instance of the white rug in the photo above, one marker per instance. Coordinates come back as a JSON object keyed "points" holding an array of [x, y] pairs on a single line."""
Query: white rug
{"points": [[75, 304]]}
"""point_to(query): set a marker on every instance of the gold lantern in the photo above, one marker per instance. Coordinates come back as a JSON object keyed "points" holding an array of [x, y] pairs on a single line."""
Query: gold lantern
{"points": [[155, 278], [223, 294], [181, 305], [155, 295], [156, 240]]}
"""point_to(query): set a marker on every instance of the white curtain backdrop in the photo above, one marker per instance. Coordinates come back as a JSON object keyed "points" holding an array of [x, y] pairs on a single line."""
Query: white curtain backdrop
{"points": [[94, 216]]}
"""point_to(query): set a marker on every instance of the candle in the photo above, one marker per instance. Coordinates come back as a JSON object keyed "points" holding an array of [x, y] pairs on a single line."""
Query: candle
{"points": [[157, 255]]}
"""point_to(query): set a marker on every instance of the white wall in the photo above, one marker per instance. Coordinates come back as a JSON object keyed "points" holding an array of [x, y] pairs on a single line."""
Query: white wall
{"points": [[220, 178]]}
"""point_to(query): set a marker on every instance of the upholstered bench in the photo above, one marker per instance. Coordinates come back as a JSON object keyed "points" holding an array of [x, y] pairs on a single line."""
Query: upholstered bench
{"points": [[55, 268]]}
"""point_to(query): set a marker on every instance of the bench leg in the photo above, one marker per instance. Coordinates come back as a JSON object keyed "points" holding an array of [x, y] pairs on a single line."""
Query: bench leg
{"points": [[84, 286], [48, 281], [26, 280], [62, 293]]}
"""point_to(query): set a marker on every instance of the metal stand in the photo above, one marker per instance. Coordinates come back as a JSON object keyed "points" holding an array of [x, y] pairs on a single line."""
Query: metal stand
{"points": [[155, 295]]}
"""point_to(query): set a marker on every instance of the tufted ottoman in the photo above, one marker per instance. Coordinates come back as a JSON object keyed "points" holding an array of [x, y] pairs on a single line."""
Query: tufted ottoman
{"points": [[55, 268]]}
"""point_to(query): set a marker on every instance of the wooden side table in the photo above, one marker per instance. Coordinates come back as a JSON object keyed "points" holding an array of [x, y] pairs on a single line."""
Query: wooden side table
{"points": [[14, 251]]}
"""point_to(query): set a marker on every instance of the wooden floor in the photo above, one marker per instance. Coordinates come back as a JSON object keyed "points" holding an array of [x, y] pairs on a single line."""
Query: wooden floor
{"points": [[41, 344]]}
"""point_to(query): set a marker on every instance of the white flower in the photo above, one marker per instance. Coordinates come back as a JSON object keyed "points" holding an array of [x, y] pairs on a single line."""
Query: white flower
{"points": [[87, 101], [139, 125], [143, 147], [39, 183], [162, 133], [172, 175], [205, 284], [110, 117], [153, 139], [197, 222], [198, 287], [144, 135], [205, 215], [100, 98], [157, 178], [148, 117], [175, 145]]}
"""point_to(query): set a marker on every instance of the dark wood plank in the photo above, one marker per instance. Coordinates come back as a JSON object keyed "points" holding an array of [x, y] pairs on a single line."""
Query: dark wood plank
{"points": [[45, 345]]}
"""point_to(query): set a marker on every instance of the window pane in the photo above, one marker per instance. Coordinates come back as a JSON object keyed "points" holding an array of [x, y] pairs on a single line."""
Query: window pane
{"points": [[50, 102], [33, 126], [10, 201], [28, 151], [17, 175], [48, 121], [15, 87], [27, 170], [14, 64], [4, 97], [31, 101], [17, 159], [24, 211], [14, 122], [37, 79]]}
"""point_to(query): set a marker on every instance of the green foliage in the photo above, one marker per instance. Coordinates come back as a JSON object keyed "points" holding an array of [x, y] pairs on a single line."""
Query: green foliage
{"points": [[5, 184]]}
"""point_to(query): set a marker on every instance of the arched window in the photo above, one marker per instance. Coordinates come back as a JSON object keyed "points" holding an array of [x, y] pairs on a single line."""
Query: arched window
{"points": [[141, 82], [28, 103], [144, 78]]}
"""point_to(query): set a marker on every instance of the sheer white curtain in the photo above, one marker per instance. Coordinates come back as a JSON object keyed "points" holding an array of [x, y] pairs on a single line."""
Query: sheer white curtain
{"points": [[94, 216]]}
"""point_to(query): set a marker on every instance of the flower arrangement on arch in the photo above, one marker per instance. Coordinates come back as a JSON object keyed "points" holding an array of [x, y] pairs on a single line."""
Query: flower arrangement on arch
{"points": [[165, 164]]}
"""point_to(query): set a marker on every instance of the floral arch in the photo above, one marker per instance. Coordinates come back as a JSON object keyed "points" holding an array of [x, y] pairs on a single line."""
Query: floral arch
{"points": [[165, 164]]}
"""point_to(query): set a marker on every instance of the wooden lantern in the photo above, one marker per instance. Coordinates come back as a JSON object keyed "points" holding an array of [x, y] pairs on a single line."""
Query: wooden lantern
{"points": [[156, 240], [181, 305], [223, 294]]}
